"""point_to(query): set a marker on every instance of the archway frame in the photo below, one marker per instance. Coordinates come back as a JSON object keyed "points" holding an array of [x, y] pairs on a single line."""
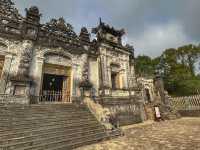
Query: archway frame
{"points": [[64, 55]]}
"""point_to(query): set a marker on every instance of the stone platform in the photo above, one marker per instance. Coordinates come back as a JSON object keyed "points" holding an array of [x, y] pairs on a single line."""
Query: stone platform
{"points": [[180, 134]]}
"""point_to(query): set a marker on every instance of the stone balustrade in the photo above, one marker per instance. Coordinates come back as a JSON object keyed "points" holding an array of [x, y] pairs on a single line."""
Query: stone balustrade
{"points": [[187, 105]]}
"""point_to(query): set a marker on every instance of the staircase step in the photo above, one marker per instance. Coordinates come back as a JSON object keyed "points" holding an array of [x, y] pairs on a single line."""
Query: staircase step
{"points": [[36, 124], [52, 138], [22, 132], [40, 127], [14, 121], [68, 142]]}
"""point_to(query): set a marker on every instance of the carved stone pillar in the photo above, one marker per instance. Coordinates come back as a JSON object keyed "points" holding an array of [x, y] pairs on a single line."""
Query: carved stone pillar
{"points": [[37, 75], [25, 58], [5, 73], [103, 71], [109, 77], [132, 79], [21, 82], [75, 79], [104, 76]]}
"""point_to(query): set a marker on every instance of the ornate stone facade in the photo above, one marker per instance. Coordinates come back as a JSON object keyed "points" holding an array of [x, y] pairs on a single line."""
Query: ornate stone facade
{"points": [[50, 62], [28, 45]]}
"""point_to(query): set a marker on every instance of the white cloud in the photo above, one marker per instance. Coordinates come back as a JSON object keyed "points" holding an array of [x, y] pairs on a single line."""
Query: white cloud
{"points": [[157, 38]]}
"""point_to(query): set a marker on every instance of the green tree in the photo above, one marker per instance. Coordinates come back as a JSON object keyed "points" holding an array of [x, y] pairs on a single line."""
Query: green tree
{"points": [[144, 66], [178, 67], [189, 55]]}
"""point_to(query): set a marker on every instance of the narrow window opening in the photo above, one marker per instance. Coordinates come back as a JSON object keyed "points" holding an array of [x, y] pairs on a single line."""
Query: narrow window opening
{"points": [[1, 65], [113, 79]]}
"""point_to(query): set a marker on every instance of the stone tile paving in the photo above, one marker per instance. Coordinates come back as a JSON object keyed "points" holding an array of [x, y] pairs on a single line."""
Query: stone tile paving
{"points": [[181, 134]]}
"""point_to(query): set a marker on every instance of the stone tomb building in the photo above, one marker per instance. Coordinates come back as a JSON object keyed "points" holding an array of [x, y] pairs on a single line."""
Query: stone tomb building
{"points": [[49, 62]]}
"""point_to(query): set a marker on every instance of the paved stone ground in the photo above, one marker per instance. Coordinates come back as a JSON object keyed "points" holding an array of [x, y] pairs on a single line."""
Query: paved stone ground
{"points": [[181, 134]]}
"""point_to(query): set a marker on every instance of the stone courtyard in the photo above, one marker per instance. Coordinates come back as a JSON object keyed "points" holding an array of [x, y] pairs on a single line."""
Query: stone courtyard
{"points": [[181, 134]]}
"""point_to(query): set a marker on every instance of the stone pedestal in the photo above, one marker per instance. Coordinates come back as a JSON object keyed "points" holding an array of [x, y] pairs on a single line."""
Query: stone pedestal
{"points": [[21, 89]]}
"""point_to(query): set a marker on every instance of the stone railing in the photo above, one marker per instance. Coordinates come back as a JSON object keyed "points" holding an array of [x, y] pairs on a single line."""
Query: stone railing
{"points": [[187, 106], [120, 93], [186, 103], [102, 114], [11, 99]]}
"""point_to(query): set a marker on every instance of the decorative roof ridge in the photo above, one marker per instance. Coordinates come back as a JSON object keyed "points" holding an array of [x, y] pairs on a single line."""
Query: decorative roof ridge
{"points": [[108, 28], [8, 10], [60, 27]]}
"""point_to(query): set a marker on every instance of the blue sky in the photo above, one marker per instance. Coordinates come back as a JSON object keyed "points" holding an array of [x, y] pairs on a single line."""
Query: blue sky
{"points": [[151, 25]]}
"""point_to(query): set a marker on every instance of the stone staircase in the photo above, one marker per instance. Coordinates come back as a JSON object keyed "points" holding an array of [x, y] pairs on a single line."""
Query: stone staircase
{"points": [[48, 126]]}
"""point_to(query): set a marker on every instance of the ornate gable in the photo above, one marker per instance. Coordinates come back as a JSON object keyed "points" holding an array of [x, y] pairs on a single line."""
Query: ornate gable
{"points": [[8, 10], [60, 27]]}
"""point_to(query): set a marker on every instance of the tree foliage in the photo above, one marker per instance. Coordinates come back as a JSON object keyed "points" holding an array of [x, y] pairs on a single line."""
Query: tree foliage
{"points": [[178, 65]]}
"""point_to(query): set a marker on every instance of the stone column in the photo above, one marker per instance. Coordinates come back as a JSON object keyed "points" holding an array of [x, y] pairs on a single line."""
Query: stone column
{"points": [[126, 76], [5, 73], [75, 78], [104, 76], [103, 71], [94, 75], [159, 84], [38, 74], [109, 76]]}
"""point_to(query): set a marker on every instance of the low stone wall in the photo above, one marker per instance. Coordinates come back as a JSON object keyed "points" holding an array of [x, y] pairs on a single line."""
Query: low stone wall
{"points": [[188, 106], [126, 110], [189, 113], [102, 114], [11, 99]]}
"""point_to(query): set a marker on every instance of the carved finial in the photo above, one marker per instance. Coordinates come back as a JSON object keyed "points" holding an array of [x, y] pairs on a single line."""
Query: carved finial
{"points": [[33, 14], [100, 22], [60, 27], [84, 35]]}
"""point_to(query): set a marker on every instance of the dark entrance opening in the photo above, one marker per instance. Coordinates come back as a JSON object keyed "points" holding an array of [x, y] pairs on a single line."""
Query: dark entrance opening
{"points": [[113, 80], [148, 97], [52, 89]]}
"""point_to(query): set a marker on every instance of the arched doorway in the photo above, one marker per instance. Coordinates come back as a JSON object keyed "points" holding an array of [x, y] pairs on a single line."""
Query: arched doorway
{"points": [[56, 77], [56, 83], [115, 76]]}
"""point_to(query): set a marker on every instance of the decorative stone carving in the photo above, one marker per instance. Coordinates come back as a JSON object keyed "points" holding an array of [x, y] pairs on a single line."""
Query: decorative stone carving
{"points": [[60, 27], [85, 83], [56, 42], [7, 10], [102, 28], [84, 35], [25, 59], [33, 15]]}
